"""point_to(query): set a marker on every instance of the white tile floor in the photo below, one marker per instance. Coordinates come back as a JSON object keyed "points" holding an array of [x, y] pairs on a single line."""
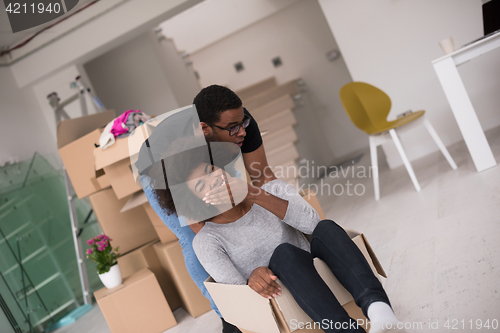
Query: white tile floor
{"points": [[440, 247]]}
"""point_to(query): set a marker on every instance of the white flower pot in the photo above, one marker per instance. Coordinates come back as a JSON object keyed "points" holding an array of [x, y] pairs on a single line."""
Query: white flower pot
{"points": [[113, 278]]}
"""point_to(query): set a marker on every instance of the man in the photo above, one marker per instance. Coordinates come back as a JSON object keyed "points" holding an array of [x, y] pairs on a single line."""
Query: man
{"points": [[223, 118]]}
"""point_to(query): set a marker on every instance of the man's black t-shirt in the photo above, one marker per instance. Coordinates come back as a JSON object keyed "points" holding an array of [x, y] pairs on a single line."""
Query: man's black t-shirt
{"points": [[253, 139]]}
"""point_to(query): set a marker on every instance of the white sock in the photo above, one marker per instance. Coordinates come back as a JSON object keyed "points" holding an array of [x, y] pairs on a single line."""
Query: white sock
{"points": [[382, 319]]}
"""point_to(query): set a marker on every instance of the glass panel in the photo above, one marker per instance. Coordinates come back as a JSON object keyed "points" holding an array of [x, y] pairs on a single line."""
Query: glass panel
{"points": [[39, 278]]}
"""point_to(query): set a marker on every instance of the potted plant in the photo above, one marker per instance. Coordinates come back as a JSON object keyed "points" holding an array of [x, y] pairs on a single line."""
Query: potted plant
{"points": [[105, 257]]}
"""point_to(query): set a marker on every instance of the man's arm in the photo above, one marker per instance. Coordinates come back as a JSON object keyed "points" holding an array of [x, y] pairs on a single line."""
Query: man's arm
{"points": [[260, 173], [257, 167]]}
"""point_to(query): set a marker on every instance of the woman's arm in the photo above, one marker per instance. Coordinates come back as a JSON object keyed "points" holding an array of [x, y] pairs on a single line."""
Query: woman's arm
{"points": [[215, 260], [241, 189], [217, 263], [299, 214]]}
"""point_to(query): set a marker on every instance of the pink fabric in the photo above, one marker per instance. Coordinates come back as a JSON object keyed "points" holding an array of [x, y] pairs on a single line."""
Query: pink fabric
{"points": [[119, 124]]}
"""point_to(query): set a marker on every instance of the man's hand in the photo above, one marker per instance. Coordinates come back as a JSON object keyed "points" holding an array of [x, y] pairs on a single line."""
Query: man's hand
{"points": [[238, 188], [262, 280]]}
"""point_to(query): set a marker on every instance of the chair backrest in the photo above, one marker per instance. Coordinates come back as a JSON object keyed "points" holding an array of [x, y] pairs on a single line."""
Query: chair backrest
{"points": [[366, 105]]}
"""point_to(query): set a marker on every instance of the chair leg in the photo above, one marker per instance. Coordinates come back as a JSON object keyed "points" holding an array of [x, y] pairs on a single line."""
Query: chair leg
{"points": [[406, 162], [373, 155], [439, 143]]}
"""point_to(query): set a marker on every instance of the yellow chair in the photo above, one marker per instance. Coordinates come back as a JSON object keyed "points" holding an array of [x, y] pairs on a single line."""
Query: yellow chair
{"points": [[368, 107]]}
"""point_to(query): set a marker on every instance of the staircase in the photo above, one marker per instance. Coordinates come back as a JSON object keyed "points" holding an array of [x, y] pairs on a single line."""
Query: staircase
{"points": [[271, 105]]}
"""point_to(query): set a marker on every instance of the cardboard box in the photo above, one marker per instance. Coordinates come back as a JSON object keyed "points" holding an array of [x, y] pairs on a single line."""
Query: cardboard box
{"points": [[172, 261], [137, 305], [128, 230], [146, 257], [244, 308], [70, 130], [79, 163], [352, 309], [163, 232], [75, 142], [103, 180], [121, 178], [115, 161]]}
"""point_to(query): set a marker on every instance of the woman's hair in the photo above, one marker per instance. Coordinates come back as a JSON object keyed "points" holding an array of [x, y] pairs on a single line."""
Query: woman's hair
{"points": [[213, 100], [179, 167]]}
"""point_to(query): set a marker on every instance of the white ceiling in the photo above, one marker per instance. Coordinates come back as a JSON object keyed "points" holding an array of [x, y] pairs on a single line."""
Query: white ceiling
{"points": [[9, 39], [213, 20]]}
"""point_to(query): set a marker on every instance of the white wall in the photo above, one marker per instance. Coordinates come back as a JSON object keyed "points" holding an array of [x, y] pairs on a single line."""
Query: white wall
{"points": [[219, 19], [58, 30], [59, 82], [100, 34], [183, 81], [131, 77], [391, 43], [23, 129], [28, 124], [300, 35]]}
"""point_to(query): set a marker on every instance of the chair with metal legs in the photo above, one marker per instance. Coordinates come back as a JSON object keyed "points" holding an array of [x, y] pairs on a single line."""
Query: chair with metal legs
{"points": [[368, 107]]}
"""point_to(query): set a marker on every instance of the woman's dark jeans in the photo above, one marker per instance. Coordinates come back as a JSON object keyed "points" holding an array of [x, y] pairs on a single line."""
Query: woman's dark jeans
{"points": [[295, 268]]}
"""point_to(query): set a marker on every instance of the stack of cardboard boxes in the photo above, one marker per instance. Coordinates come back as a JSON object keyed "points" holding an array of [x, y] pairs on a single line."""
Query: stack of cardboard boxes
{"points": [[155, 278], [168, 252]]}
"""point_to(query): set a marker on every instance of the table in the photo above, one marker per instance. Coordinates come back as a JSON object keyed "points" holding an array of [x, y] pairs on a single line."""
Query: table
{"points": [[454, 89]]}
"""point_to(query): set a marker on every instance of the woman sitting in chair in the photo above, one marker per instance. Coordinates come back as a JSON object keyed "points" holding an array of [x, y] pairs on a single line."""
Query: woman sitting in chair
{"points": [[247, 244]]}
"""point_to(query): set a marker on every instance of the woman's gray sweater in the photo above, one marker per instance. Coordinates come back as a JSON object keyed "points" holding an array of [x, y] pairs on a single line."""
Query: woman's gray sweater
{"points": [[230, 252]]}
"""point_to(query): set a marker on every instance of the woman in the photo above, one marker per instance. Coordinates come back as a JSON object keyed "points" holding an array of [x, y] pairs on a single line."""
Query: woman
{"points": [[246, 244]]}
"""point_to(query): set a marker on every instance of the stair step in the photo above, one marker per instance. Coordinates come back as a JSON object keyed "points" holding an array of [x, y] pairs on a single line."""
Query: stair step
{"points": [[277, 105], [277, 139], [40, 285], [257, 88], [53, 313], [289, 88], [286, 171], [278, 121], [282, 156]]}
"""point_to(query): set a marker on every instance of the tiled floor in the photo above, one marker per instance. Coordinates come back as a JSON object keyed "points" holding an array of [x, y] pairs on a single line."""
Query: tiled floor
{"points": [[440, 247]]}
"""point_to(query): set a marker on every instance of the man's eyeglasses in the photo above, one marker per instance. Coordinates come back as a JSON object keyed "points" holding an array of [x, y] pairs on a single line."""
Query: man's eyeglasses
{"points": [[235, 129]]}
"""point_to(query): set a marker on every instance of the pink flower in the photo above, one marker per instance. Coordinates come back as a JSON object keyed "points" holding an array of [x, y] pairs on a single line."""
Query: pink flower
{"points": [[103, 237], [90, 242], [89, 251]]}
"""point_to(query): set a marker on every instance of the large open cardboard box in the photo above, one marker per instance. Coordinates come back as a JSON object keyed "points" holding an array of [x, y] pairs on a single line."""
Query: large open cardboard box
{"points": [[146, 257], [172, 261], [128, 230], [137, 305], [76, 139], [246, 309]]}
